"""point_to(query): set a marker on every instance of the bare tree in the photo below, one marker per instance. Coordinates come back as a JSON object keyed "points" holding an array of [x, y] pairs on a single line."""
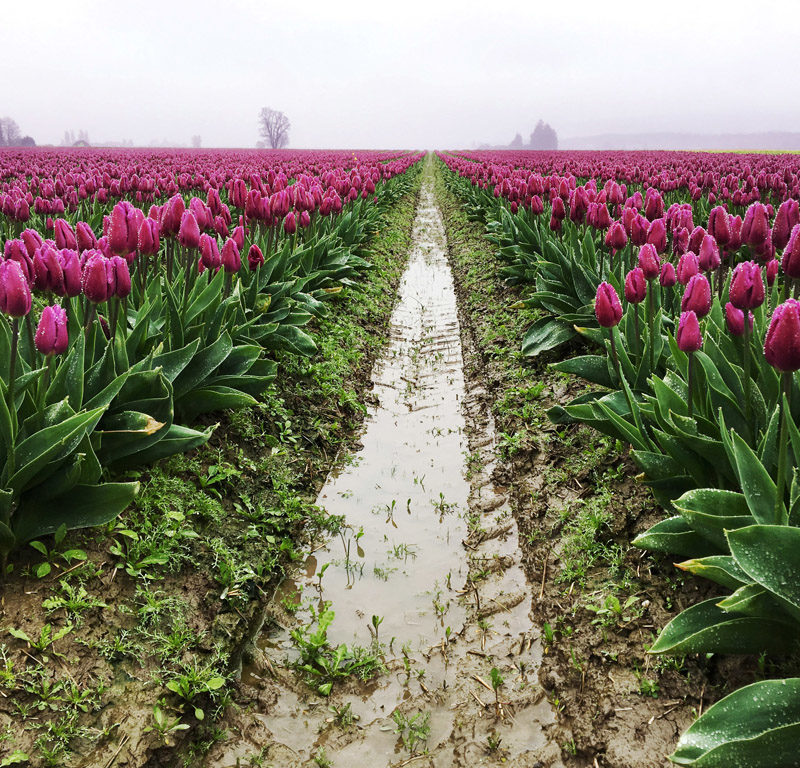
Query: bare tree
{"points": [[197, 141], [544, 136], [9, 132], [274, 127]]}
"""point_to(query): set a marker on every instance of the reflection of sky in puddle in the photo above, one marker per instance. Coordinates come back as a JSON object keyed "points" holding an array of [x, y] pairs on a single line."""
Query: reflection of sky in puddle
{"points": [[400, 557]]}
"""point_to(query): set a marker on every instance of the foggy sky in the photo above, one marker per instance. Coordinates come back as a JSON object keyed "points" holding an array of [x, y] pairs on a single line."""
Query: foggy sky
{"points": [[411, 74]]}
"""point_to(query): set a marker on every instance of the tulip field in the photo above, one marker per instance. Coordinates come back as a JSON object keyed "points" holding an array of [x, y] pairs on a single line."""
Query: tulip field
{"points": [[680, 271], [148, 295]]}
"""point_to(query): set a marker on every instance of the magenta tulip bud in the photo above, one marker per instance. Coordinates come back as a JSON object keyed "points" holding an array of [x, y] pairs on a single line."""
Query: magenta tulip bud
{"points": [[172, 215], [734, 319], [15, 250], [122, 277], [123, 229], [64, 235], [696, 239], [688, 266], [657, 235], [149, 237], [639, 228], [667, 278], [697, 296], [209, 252], [305, 218], [616, 238], [708, 257], [289, 223], [32, 240], [653, 204], [790, 263], [649, 261], [747, 286], [254, 257], [189, 232], [231, 260], [787, 218], [607, 307], [71, 269], [238, 236], [48, 274], [15, 294], [94, 279], [51, 333], [755, 229], [718, 226], [559, 211], [735, 224], [782, 343], [689, 337], [84, 237], [680, 241], [772, 271], [635, 286]]}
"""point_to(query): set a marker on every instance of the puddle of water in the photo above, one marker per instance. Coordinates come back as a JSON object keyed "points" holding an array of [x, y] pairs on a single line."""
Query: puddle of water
{"points": [[401, 557], [405, 495]]}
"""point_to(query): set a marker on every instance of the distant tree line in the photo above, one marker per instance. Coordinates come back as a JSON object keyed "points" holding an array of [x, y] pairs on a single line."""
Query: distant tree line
{"points": [[543, 137], [11, 136]]}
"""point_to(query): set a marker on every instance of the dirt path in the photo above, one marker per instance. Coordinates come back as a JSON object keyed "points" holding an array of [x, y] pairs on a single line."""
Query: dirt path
{"points": [[438, 562]]}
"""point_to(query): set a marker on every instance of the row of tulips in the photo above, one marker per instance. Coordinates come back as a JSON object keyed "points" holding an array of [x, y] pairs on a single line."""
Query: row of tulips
{"points": [[115, 329], [699, 342]]}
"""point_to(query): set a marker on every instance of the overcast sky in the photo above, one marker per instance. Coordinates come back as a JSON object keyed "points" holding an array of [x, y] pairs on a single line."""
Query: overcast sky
{"points": [[410, 74]]}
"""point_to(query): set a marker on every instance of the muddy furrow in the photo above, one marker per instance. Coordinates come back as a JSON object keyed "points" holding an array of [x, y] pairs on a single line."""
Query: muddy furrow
{"points": [[429, 554]]}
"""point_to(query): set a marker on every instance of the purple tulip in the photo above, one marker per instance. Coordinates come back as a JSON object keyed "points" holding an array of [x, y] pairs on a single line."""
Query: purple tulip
{"points": [[697, 296], [51, 333], [667, 278], [635, 286], [688, 266], [708, 257], [747, 286], [189, 231], [782, 343], [94, 279], [607, 307], [255, 257], [231, 260], [15, 294], [649, 262], [790, 263], [734, 318], [64, 235], [689, 337]]}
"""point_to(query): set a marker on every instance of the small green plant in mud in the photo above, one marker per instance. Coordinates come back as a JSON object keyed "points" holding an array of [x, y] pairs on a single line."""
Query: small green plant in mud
{"points": [[412, 730], [165, 724], [612, 612], [54, 555], [321, 759], [548, 634], [497, 683], [343, 716], [322, 664], [194, 681], [74, 600], [493, 742], [47, 637]]}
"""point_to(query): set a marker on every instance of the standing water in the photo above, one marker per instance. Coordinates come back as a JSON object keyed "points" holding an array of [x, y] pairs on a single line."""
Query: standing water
{"points": [[444, 601]]}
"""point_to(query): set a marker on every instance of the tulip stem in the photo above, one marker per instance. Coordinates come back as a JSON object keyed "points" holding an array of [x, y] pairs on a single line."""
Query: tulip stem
{"points": [[12, 363], [748, 408], [651, 324], [691, 383], [618, 368], [785, 406]]}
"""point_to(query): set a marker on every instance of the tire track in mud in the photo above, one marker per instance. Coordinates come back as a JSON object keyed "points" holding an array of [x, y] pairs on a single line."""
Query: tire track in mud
{"points": [[438, 560]]}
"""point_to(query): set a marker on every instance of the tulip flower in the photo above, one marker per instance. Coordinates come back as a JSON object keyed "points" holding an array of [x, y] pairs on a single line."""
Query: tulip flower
{"points": [[657, 235], [718, 226], [786, 219], [94, 278], [64, 235], [123, 229], [209, 253], [782, 352], [71, 268], [84, 237], [747, 286], [607, 307], [189, 231], [121, 280], [148, 237], [734, 319], [697, 296], [15, 294], [231, 260], [635, 286], [772, 271], [255, 258], [755, 228], [289, 224], [639, 227], [667, 278], [51, 333], [48, 274], [790, 263], [708, 256], [688, 266], [689, 340], [649, 262], [616, 239]]}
